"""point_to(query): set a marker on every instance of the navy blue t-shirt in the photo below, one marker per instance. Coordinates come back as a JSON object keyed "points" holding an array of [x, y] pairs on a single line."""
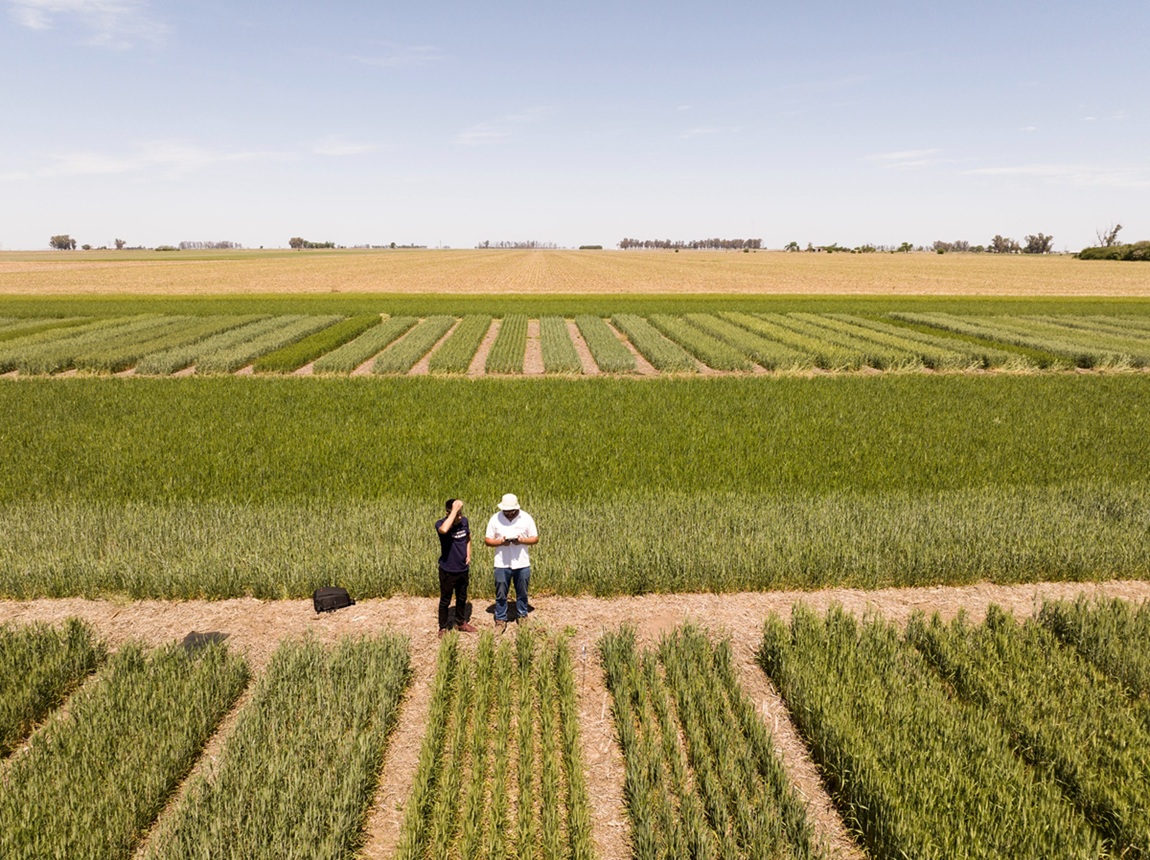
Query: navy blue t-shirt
{"points": [[453, 545]]}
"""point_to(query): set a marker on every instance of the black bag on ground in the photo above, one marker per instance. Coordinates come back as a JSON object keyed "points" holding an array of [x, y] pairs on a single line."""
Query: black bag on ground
{"points": [[331, 598]]}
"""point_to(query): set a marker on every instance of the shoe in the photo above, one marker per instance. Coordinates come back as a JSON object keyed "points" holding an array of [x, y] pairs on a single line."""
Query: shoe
{"points": [[464, 627], [442, 632], [500, 626]]}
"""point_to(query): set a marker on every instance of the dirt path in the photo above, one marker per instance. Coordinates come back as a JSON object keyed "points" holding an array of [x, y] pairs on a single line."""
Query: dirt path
{"points": [[590, 368], [256, 627], [478, 366]]}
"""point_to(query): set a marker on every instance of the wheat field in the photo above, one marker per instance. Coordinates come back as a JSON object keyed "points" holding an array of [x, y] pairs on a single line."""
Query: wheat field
{"points": [[509, 272]]}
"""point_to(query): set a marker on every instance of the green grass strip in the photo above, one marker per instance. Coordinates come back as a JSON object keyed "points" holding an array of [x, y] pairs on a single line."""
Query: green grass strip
{"points": [[1070, 721], [369, 344], [610, 354], [243, 329], [934, 347], [40, 665], [1114, 635], [455, 354], [663, 353], [822, 353], [296, 355], [24, 328], [916, 772], [93, 781], [114, 358], [297, 775], [712, 351], [765, 352], [229, 360], [404, 353], [510, 347], [415, 831], [559, 353]]}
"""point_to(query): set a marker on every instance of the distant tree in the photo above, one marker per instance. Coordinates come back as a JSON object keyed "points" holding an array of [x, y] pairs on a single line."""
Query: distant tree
{"points": [[1040, 244], [791, 246], [1109, 238], [1002, 245], [85, 247], [297, 242], [63, 242], [905, 248], [120, 243]]}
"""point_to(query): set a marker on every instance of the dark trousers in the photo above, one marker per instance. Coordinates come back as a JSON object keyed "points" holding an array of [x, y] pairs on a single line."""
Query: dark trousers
{"points": [[449, 583]]}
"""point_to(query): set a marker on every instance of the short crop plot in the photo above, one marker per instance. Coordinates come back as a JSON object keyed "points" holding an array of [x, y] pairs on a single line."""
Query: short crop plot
{"points": [[918, 773], [702, 777], [510, 347], [296, 355], [228, 359], [297, 774], [404, 353], [1075, 725], [351, 355], [39, 667], [663, 353], [610, 354], [766, 353], [559, 354], [712, 351], [500, 773], [455, 354], [92, 782]]}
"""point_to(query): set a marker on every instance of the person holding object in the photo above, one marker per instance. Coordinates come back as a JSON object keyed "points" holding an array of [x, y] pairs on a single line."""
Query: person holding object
{"points": [[511, 531], [454, 565]]}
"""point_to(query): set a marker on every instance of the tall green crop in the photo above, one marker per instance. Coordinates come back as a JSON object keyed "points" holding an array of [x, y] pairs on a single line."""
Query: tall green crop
{"points": [[39, 668], [510, 347], [916, 772], [663, 353], [610, 355], [351, 355], [92, 782], [559, 355], [456, 353], [1070, 721], [404, 353], [297, 774]]}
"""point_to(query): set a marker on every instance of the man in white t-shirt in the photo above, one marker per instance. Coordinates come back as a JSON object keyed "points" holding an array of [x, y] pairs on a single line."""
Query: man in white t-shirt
{"points": [[511, 531]]}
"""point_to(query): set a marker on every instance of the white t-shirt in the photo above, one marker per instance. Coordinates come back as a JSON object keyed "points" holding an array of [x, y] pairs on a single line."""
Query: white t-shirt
{"points": [[514, 555]]}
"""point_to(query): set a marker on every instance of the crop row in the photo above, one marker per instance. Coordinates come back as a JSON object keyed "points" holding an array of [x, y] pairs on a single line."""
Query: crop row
{"points": [[499, 772], [39, 666], [973, 740], [92, 780], [294, 777], [298, 772], [701, 775], [727, 341]]}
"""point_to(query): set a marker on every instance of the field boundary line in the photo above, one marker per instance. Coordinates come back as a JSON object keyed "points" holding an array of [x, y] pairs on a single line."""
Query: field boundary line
{"points": [[533, 356], [590, 368], [642, 366], [208, 757], [423, 366], [478, 366]]}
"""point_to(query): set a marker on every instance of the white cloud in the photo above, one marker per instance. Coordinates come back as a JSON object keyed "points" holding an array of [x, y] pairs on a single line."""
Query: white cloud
{"points": [[907, 159], [116, 24], [393, 56], [337, 146], [494, 131], [160, 157], [1079, 175]]}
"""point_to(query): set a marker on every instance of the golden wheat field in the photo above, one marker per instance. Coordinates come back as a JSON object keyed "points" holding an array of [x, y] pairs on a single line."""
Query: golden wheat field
{"points": [[496, 272]]}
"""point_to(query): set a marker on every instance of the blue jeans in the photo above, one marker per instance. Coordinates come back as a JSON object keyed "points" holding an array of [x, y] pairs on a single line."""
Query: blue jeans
{"points": [[504, 577]]}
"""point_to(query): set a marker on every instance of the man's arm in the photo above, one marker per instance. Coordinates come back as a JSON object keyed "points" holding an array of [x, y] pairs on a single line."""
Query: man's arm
{"points": [[449, 521], [469, 551]]}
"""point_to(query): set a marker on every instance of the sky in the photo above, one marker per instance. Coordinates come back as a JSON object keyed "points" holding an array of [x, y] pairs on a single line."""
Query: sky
{"points": [[451, 123]]}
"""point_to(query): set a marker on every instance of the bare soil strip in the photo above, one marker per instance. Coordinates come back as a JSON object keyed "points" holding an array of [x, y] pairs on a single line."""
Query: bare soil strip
{"points": [[423, 366], [533, 357], [478, 366], [256, 628], [642, 366], [590, 368]]}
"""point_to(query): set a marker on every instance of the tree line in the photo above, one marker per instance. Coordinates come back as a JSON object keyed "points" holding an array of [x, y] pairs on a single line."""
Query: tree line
{"points": [[694, 245]]}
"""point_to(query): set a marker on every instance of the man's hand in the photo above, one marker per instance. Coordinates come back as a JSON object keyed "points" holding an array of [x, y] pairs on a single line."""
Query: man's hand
{"points": [[457, 506]]}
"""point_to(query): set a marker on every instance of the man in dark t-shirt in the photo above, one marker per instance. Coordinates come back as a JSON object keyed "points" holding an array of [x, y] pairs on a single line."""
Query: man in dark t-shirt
{"points": [[454, 565]]}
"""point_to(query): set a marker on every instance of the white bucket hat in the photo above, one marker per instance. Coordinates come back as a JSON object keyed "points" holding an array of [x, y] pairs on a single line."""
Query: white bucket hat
{"points": [[509, 502]]}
